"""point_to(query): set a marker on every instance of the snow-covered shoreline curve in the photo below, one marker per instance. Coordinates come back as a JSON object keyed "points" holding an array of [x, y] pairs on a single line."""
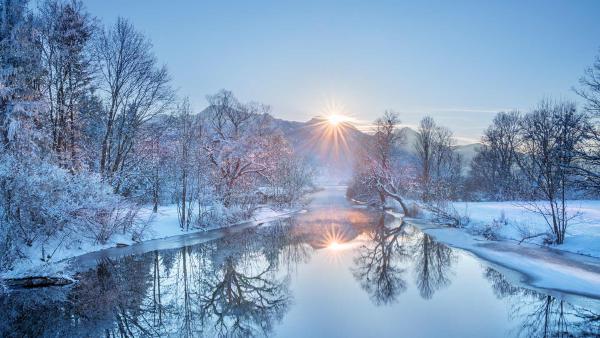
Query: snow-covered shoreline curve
{"points": [[163, 225], [551, 270]]}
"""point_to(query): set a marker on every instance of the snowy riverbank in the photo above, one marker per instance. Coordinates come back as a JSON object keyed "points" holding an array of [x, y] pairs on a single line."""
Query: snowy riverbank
{"points": [[540, 267], [162, 224], [513, 221], [573, 267]]}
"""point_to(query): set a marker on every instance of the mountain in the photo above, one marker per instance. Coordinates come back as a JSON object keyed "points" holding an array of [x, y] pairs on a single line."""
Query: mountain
{"points": [[332, 147], [410, 138]]}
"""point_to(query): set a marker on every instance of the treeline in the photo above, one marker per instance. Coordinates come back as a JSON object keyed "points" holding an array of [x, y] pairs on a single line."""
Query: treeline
{"points": [[91, 128], [541, 158]]}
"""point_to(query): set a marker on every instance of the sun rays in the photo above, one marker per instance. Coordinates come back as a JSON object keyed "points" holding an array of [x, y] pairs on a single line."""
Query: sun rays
{"points": [[328, 137]]}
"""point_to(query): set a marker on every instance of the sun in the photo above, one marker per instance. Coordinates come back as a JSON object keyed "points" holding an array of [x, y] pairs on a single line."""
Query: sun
{"points": [[336, 119], [335, 245]]}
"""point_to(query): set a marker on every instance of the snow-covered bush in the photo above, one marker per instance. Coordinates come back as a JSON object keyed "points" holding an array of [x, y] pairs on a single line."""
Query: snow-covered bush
{"points": [[491, 230], [446, 213], [44, 207]]}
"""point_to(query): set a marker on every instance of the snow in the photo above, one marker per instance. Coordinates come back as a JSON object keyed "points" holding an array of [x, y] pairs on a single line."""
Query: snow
{"points": [[583, 233], [162, 224], [268, 214]]}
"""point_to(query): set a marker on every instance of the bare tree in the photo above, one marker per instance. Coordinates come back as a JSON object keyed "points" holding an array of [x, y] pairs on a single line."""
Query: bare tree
{"points": [[189, 133], [590, 87], [589, 169], [136, 89], [550, 135], [384, 171], [158, 153], [437, 162], [425, 147], [494, 168]]}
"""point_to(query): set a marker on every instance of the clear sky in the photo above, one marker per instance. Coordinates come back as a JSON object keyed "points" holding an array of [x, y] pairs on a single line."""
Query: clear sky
{"points": [[459, 61]]}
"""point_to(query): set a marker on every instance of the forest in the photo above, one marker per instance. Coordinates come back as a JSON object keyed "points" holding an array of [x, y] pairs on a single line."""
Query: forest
{"points": [[92, 131]]}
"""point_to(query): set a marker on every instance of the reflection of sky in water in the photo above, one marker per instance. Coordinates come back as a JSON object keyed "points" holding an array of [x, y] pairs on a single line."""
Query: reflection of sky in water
{"points": [[334, 271], [330, 302]]}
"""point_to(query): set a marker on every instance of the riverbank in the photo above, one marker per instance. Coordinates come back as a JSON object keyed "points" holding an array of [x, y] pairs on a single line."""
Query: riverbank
{"points": [[511, 236], [515, 221], [160, 225], [541, 267]]}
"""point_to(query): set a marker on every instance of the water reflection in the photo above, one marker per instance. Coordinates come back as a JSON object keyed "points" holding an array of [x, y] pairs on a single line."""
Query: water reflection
{"points": [[235, 287], [378, 263], [433, 265], [541, 315], [382, 262], [240, 285]]}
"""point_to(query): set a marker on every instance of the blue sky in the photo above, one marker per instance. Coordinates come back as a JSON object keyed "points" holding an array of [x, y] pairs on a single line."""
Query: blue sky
{"points": [[458, 61]]}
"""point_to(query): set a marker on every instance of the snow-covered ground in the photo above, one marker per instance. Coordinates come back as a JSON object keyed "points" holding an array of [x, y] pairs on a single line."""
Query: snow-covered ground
{"points": [[513, 221], [162, 224]]}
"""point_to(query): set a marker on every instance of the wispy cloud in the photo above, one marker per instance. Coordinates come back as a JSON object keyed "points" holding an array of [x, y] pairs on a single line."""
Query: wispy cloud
{"points": [[470, 110]]}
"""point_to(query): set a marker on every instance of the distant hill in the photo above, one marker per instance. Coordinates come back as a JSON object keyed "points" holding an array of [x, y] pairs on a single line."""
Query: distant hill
{"points": [[332, 148]]}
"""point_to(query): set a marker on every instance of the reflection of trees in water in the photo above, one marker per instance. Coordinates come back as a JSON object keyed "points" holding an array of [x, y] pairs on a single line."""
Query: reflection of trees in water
{"points": [[540, 315], [238, 286], [378, 264], [116, 290], [30, 315], [227, 287], [433, 262], [234, 286], [242, 301], [104, 303], [282, 247]]}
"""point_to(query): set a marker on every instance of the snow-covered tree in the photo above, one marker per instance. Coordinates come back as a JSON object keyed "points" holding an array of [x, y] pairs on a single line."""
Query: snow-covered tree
{"points": [[241, 153], [380, 169], [43, 206], [22, 109]]}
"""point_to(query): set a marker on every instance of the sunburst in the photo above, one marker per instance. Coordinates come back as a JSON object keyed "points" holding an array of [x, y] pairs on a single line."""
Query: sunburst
{"points": [[335, 119]]}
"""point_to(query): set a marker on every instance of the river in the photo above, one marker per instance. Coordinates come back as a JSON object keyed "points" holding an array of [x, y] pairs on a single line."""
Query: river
{"points": [[336, 270]]}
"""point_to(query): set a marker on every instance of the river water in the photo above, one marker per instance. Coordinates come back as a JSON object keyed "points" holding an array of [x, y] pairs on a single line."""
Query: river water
{"points": [[337, 270]]}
